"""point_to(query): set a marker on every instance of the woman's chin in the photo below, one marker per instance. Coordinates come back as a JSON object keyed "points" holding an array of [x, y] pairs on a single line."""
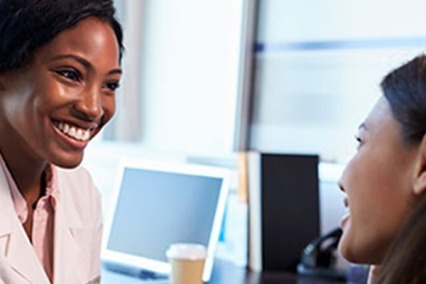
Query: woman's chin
{"points": [[347, 248], [344, 250], [355, 251], [68, 162]]}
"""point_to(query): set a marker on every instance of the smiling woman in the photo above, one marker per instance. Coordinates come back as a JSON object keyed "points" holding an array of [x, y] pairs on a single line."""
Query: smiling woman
{"points": [[59, 70], [68, 82], [385, 182]]}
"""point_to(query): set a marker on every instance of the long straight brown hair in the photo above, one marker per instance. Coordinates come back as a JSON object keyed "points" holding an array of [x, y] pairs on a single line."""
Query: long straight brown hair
{"points": [[405, 261]]}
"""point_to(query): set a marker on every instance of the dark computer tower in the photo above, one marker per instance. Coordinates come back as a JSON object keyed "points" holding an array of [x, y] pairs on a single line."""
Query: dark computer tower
{"points": [[288, 187]]}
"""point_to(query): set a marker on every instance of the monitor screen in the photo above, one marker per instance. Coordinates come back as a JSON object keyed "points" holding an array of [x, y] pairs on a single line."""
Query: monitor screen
{"points": [[158, 204]]}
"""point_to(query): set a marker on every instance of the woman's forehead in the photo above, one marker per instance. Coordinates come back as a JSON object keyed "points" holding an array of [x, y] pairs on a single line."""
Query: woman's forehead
{"points": [[91, 39]]}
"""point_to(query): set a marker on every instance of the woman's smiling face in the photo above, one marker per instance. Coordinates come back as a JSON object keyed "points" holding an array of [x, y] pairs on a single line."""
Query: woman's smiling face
{"points": [[378, 182], [64, 95]]}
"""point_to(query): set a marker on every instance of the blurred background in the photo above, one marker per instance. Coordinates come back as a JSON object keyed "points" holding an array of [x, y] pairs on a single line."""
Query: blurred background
{"points": [[209, 81]]}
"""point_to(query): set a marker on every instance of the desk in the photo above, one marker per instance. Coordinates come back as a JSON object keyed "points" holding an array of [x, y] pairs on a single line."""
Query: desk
{"points": [[227, 273]]}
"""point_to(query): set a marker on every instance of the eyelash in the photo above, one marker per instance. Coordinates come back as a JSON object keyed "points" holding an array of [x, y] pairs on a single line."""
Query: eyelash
{"points": [[358, 140], [74, 75], [70, 74], [113, 85]]}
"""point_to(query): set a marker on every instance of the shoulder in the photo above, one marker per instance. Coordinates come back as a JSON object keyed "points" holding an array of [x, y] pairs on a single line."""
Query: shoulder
{"points": [[79, 176], [79, 208], [77, 186], [75, 178]]}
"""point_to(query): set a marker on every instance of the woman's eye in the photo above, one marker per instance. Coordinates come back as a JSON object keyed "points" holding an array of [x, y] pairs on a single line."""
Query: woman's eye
{"points": [[113, 85], [70, 74], [358, 140]]}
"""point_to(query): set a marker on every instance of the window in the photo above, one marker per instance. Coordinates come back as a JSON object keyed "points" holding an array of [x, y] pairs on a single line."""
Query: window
{"points": [[318, 69]]}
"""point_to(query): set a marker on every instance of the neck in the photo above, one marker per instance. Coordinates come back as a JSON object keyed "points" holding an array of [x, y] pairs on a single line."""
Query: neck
{"points": [[26, 171]]}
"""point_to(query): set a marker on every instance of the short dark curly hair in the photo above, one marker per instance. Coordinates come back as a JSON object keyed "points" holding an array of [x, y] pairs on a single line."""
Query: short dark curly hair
{"points": [[26, 25]]}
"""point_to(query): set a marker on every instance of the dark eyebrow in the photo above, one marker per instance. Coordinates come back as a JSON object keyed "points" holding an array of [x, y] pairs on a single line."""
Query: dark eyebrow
{"points": [[115, 71], [362, 126], [84, 62]]}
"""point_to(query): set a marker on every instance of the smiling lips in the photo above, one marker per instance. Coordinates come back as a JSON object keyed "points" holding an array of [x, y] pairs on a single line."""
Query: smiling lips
{"points": [[346, 216], [74, 132]]}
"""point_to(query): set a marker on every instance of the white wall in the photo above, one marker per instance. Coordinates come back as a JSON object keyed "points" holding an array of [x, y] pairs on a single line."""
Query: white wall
{"points": [[189, 74]]}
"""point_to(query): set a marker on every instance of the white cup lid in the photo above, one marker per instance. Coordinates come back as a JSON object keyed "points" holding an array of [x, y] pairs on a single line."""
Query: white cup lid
{"points": [[186, 251]]}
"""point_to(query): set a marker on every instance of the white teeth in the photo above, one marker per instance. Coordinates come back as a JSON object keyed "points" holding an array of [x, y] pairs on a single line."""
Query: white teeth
{"points": [[74, 132]]}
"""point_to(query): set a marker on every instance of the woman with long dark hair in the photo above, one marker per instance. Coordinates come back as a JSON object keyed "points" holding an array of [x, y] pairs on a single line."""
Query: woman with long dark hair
{"points": [[385, 182]]}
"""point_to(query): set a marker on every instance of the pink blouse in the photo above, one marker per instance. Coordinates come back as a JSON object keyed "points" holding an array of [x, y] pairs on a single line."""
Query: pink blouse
{"points": [[43, 217]]}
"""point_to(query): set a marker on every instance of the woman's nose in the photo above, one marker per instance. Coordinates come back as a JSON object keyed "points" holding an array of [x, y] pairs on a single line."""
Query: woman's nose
{"points": [[89, 105], [340, 185], [341, 182]]}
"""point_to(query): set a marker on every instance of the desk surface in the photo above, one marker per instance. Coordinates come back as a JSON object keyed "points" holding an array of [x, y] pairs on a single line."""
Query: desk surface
{"points": [[226, 273]]}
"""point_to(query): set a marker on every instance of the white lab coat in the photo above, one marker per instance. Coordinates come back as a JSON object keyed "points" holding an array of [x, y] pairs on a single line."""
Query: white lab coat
{"points": [[77, 234]]}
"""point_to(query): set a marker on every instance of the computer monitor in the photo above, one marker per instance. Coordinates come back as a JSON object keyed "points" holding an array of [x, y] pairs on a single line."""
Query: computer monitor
{"points": [[158, 203]]}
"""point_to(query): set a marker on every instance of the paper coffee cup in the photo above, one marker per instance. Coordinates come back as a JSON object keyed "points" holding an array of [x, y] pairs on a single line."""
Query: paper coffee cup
{"points": [[187, 263]]}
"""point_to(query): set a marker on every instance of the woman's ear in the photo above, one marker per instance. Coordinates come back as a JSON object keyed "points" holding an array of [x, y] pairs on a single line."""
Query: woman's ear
{"points": [[420, 182]]}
